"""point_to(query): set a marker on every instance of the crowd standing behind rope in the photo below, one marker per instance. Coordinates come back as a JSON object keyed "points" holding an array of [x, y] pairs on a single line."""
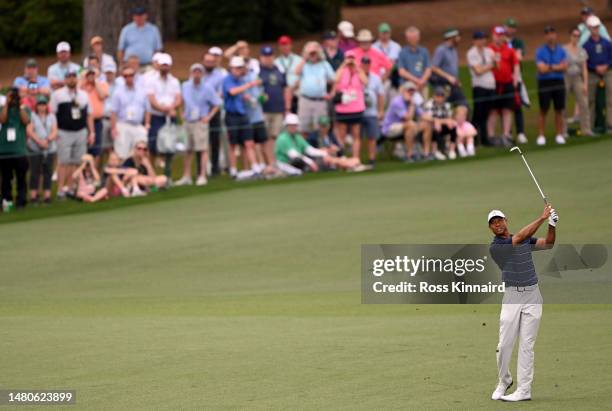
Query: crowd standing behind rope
{"points": [[104, 130]]}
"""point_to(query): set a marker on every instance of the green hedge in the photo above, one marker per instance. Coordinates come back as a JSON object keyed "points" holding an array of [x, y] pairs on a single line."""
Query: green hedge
{"points": [[35, 26]]}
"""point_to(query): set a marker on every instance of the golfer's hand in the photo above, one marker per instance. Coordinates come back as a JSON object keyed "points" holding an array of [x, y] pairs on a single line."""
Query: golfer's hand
{"points": [[553, 218], [546, 213]]}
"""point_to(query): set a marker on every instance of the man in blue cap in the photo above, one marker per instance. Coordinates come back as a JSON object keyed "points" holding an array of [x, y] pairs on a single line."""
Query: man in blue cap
{"points": [[277, 95]]}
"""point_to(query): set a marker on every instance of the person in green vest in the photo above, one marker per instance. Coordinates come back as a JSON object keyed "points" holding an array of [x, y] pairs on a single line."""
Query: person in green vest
{"points": [[14, 117]]}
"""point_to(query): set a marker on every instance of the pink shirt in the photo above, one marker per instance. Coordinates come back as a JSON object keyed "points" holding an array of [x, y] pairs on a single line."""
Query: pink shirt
{"points": [[352, 89], [379, 63]]}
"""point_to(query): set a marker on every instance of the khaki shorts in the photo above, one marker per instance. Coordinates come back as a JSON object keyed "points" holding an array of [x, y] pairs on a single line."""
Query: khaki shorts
{"points": [[395, 130], [309, 112], [274, 123], [127, 136], [197, 136], [71, 145]]}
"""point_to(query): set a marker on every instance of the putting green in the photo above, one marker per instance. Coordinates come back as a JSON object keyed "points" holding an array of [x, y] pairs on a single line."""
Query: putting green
{"points": [[250, 298]]}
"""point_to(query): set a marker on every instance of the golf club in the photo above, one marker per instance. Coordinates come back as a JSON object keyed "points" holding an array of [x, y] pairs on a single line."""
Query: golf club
{"points": [[516, 148]]}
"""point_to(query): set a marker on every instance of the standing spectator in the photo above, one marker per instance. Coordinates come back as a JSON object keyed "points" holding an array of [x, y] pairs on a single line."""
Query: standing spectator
{"points": [[481, 62], [42, 133], [242, 49], [57, 71], [287, 60], [97, 91], [110, 72], [213, 76], [400, 117], [506, 73], [350, 84], [139, 38], [413, 62], [130, 108], [379, 63], [577, 80], [314, 75], [333, 54], [583, 27], [445, 67], [375, 108], [551, 62], [75, 129], [264, 151], [346, 41], [277, 99], [518, 45], [31, 77], [201, 104], [237, 122], [385, 43], [140, 79], [164, 93], [599, 51], [96, 47], [14, 118]]}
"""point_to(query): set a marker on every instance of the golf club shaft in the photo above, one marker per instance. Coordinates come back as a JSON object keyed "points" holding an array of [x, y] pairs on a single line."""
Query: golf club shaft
{"points": [[534, 179]]}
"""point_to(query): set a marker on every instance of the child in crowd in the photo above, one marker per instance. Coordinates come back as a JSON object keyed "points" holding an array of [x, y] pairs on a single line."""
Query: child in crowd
{"points": [[42, 147], [439, 113]]}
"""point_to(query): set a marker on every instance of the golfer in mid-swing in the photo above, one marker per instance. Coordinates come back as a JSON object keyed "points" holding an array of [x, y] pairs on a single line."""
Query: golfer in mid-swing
{"points": [[522, 303]]}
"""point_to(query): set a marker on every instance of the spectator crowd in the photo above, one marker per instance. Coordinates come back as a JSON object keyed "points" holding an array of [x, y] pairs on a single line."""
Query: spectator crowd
{"points": [[112, 127]]}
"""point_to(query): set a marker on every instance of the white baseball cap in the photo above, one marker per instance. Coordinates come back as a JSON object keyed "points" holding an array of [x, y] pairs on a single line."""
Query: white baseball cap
{"points": [[346, 28], [495, 213], [364, 35], [292, 120], [593, 21], [196, 66], [62, 46], [109, 67], [215, 51], [237, 61], [156, 56], [164, 60]]}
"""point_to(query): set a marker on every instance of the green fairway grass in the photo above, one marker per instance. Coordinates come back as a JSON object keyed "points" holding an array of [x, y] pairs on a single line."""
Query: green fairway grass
{"points": [[250, 298]]}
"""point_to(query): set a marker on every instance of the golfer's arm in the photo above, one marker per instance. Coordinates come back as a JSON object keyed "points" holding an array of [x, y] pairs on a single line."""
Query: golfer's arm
{"points": [[527, 231], [549, 241]]}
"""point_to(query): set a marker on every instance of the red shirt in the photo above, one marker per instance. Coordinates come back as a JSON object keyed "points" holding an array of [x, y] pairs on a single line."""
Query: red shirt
{"points": [[504, 70]]}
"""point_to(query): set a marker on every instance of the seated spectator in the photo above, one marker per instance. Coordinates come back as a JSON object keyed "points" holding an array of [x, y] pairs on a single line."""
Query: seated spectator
{"points": [[375, 108], [379, 63], [314, 74], [14, 118], [295, 156], [118, 181], [130, 109], [439, 112], [242, 49], [139, 38], [201, 104], [96, 48], [31, 80], [146, 179], [86, 179], [42, 134], [350, 84], [97, 92], [599, 52], [346, 40], [324, 137], [333, 54], [400, 118], [466, 132], [57, 71]]}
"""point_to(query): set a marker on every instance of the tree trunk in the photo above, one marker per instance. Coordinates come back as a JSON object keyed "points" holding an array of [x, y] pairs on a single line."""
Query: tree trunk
{"points": [[170, 19], [106, 18]]}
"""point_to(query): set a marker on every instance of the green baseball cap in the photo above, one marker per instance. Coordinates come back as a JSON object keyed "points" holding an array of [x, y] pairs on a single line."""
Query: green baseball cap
{"points": [[41, 100], [324, 121], [510, 22], [384, 28]]}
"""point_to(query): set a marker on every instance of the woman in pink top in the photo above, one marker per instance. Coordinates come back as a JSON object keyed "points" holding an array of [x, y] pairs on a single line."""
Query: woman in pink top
{"points": [[349, 89]]}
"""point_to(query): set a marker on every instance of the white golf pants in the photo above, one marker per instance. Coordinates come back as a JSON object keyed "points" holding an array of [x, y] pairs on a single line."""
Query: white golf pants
{"points": [[520, 317]]}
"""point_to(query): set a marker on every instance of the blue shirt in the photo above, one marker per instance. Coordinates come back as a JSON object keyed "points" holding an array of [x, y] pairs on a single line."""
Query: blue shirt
{"points": [[233, 104], [585, 33], [599, 52], [21, 81], [549, 56], [392, 50], [58, 70], [140, 41], [274, 85], [215, 78], [129, 104], [373, 91], [414, 61], [446, 59], [198, 100], [515, 262], [314, 79]]}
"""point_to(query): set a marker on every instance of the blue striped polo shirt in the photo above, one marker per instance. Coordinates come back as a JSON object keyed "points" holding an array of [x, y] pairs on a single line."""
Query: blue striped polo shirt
{"points": [[515, 262]]}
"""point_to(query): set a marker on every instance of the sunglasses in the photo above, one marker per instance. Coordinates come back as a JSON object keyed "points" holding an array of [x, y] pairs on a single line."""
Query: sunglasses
{"points": [[141, 148], [128, 75]]}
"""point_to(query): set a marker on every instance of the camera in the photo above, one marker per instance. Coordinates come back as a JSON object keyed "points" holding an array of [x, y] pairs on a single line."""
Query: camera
{"points": [[13, 97]]}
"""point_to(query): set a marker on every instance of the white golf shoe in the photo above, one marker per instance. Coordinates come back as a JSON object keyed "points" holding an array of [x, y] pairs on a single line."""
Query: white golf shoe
{"points": [[560, 139], [439, 156], [452, 155], [516, 396], [201, 181], [461, 150], [541, 141], [522, 138], [184, 181], [500, 390], [471, 150]]}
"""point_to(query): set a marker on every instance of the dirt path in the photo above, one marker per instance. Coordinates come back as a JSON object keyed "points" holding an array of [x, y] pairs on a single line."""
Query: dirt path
{"points": [[431, 17]]}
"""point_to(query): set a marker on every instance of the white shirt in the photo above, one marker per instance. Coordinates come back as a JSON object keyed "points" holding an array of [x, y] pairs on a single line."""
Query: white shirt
{"points": [[165, 91], [481, 57]]}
